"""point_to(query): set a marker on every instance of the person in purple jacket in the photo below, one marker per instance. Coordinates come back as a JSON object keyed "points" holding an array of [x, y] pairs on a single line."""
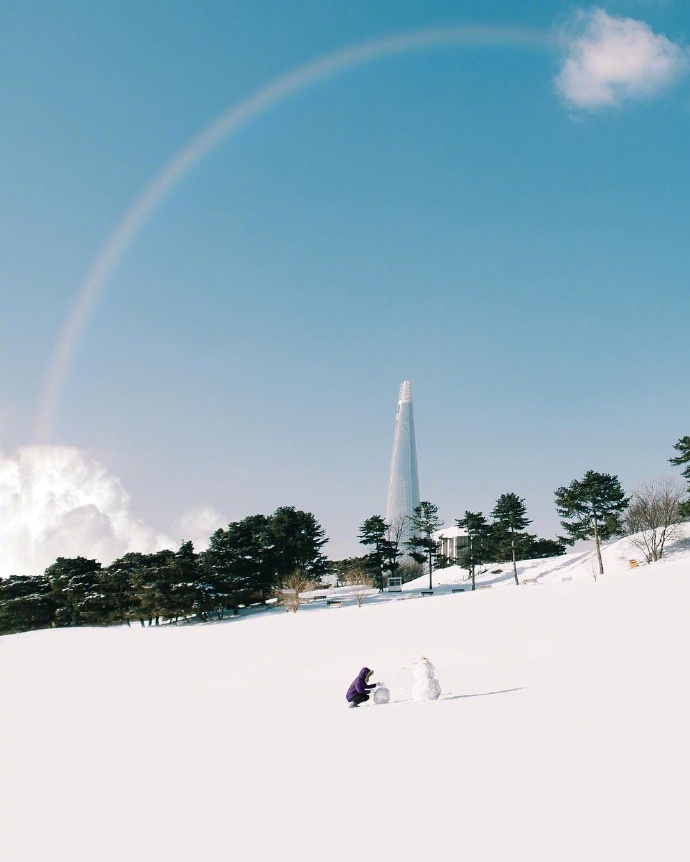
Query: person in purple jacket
{"points": [[358, 692]]}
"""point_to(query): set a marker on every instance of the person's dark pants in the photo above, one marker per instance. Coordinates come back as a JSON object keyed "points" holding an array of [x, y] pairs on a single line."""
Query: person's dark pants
{"points": [[359, 698]]}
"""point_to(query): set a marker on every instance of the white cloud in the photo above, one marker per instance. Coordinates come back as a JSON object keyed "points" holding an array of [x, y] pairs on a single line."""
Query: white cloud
{"points": [[198, 524], [57, 501], [611, 59]]}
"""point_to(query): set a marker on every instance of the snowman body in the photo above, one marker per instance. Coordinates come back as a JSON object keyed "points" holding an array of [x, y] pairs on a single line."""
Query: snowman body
{"points": [[426, 686]]}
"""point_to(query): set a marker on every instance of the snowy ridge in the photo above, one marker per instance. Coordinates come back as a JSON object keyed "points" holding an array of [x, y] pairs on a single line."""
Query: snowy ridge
{"points": [[561, 732]]}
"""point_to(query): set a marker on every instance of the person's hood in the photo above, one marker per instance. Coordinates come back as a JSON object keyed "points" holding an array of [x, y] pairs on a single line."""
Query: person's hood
{"points": [[363, 673]]}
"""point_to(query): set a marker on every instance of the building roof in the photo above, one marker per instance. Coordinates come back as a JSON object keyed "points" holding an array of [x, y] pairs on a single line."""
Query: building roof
{"points": [[450, 533]]}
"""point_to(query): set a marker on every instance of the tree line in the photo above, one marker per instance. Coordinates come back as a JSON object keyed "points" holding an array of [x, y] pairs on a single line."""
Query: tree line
{"points": [[594, 507], [266, 556], [246, 562]]}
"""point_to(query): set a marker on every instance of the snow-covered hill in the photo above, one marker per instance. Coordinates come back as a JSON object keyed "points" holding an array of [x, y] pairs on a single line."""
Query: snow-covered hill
{"points": [[561, 732], [618, 556]]}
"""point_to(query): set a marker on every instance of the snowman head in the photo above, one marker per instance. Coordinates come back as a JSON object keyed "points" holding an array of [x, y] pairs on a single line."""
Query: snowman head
{"points": [[423, 669]]}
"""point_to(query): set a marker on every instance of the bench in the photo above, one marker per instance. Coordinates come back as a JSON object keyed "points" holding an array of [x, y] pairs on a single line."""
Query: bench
{"points": [[334, 603], [319, 598], [567, 578], [426, 593], [457, 590], [530, 581], [484, 586]]}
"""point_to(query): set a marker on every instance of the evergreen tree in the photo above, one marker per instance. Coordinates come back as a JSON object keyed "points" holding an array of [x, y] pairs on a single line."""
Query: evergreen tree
{"points": [[683, 448], [151, 587], [536, 548], [152, 583], [77, 591], [26, 603], [297, 539], [185, 572], [229, 569], [384, 554], [118, 586], [510, 515], [443, 562], [479, 542], [592, 508], [258, 540], [422, 545], [132, 589], [342, 568]]}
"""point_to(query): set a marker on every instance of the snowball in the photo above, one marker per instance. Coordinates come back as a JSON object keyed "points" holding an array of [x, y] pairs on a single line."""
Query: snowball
{"points": [[381, 694], [423, 669], [426, 689]]}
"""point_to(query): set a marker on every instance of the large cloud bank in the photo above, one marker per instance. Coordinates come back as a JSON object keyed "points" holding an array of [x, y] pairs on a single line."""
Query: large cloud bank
{"points": [[608, 60], [56, 501]]}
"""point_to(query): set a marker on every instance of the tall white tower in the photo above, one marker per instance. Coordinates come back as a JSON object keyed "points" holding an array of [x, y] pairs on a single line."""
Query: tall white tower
{"points": [[403, 487]]}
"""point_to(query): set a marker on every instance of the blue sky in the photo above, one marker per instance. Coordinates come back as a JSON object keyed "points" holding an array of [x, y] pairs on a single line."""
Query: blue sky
{"points": [[506, 226]]}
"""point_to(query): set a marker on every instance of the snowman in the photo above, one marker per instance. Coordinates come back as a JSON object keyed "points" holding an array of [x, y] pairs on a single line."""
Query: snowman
{"points": [[426, 686]]}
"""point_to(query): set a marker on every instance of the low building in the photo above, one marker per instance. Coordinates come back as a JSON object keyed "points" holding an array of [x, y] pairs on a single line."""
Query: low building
{"points": [[451, 541]]}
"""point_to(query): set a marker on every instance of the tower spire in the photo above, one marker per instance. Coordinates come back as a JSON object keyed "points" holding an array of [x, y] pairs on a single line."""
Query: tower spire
{"points": [[403, 487]]}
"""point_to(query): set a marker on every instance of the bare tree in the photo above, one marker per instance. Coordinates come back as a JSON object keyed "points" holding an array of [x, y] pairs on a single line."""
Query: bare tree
{"points": [[396, 532], [360, 582], [407, 568], [290, 595], [654, 515]]}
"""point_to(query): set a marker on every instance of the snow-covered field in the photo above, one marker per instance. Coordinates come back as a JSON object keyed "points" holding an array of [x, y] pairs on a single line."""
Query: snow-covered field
{"points": [[562, 732]]}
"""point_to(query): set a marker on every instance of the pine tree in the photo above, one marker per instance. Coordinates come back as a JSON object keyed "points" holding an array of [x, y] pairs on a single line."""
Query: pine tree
{"points": [[118, 586], [153, 584], [77, 591], [510, 515], [27, 602], [139, 583], [297, 538], [536, 548], [384, 556], [683, 447], [229, 569], [478, 535], [185, 573], [254, 547], [341, 568], [592, 508], [422, 545]]}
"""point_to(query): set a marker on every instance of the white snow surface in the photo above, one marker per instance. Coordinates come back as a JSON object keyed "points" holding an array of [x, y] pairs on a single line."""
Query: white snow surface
{"points": [[562, 730]]}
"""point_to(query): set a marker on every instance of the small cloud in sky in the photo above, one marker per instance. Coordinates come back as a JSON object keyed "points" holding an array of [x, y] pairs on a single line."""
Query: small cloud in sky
{"points": [[57, 501], [608, 60], [198, 524]]}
